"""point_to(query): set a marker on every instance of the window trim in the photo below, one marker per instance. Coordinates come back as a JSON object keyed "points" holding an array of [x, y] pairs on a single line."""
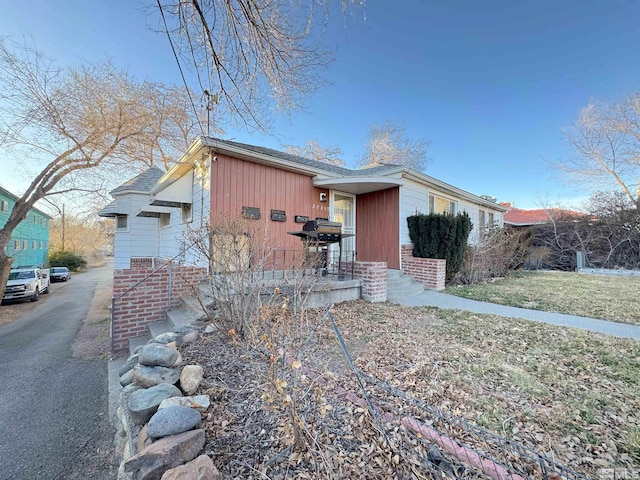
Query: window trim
{"points": [[453, 204], [119, 227]]}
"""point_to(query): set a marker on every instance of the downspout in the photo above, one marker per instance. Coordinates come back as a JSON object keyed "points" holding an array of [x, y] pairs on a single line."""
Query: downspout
{"points": [[170, 285]]}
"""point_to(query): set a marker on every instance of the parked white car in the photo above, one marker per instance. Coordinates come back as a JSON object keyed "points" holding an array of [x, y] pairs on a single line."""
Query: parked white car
{"points": [[27, 283]]}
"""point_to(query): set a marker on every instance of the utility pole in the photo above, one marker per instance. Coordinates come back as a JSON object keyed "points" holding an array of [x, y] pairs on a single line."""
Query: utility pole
{"points": [[63, 222]]}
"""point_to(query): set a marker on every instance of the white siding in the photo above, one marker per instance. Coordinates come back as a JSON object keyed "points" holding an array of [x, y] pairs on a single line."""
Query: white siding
{"points": [[413, 198], [141, 237], [174, 239], [473, 210]]}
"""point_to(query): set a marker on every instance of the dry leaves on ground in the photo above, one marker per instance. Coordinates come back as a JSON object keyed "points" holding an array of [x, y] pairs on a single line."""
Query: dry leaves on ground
{"points": [[569, 394]]}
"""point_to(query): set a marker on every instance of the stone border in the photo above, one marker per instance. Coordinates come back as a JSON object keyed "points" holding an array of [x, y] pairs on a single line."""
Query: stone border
{"points": [[158, 414]]}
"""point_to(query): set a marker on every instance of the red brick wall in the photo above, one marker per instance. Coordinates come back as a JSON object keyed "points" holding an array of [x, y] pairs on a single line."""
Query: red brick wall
{"points": [[146, 302], [374, 280], [428, 271]]}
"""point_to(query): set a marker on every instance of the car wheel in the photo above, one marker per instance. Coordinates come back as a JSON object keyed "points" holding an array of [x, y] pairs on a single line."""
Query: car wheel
{"points": [[36, 295], [46, 290]]}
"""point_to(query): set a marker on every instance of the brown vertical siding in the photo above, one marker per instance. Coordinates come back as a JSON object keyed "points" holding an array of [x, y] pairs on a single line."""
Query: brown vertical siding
{"points": [[236, 183], [378, 227]]}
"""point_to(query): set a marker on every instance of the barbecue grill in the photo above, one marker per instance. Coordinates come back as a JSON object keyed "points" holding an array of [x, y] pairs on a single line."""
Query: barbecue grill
{"points": [[317, 235]]}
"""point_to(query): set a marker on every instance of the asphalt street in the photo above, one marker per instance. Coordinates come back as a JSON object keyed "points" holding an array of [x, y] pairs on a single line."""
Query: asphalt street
{"points": [[53, 407]]}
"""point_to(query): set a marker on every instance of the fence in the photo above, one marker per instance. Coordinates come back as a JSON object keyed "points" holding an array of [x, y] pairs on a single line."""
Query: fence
{"points": [[444, 444], [282, 264]]}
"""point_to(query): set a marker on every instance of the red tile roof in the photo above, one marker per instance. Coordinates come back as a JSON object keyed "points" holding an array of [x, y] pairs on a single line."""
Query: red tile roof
{"points": [[516, 216]]}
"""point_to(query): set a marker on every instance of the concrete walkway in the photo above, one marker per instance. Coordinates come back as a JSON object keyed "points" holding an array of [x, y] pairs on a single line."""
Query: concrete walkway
{"points": [[430, 298]]}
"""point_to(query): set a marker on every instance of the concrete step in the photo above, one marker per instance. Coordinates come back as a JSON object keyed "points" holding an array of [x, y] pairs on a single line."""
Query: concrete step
{"points": [[181, 317], [158, 328], [136, 342], [399, 282], [391, 273], [411, 291]]}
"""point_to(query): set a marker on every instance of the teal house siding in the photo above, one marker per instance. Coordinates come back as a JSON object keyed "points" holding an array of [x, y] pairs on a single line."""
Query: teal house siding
{"points": [[29, 245]]}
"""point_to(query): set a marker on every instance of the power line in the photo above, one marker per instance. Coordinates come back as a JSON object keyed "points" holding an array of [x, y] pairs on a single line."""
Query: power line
{"points": [[175, 55]]}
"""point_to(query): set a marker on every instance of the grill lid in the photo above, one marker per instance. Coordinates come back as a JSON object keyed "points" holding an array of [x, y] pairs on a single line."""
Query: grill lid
{"points": [[323, 226]]}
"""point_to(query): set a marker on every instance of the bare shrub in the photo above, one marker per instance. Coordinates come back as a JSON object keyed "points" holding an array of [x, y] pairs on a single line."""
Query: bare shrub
{"points": [[499, 251], [259, 302]]}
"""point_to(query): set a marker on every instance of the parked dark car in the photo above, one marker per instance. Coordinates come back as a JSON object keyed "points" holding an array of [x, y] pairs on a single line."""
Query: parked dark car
{"points": [[59, 274]]}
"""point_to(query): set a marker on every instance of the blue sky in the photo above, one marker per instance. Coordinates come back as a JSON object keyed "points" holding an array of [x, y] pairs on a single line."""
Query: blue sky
{"points": [[490, 84]]}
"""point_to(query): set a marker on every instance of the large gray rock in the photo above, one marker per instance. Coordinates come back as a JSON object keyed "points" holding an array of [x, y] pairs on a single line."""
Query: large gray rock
{"points": [[172, 421], [166, 453], [168, 337], [201, 468], [189, 337], [150, 376], [128, 365], [143, 403], [126, 378], [199, 402], [155, 355], [190, 378]]}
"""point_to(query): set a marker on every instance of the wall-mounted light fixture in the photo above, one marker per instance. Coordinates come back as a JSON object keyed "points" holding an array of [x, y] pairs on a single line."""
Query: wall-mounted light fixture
{"points": [[323, 197]]}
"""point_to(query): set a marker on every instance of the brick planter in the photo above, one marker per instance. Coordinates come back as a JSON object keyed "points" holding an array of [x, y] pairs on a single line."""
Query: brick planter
{"points": [[162, 284], [430, 272], [374, 280]]}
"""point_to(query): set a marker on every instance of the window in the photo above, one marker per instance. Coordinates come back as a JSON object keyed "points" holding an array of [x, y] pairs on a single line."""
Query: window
{"points": [[491, 219], [4, 206], [121, 222], [40, 220], [35, 219], [441, 205], [165, 220], [34, 245], [40, 244], [16, 244], [25, 245], [482, 220]]}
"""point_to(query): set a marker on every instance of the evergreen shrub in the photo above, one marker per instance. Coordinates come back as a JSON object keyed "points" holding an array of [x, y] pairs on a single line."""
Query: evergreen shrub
{"points": [[442, 236], [71, 260]]}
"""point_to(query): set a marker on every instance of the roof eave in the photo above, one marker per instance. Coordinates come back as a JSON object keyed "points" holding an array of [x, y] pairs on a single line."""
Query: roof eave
{"points": [[263, 158], [423, 178]]}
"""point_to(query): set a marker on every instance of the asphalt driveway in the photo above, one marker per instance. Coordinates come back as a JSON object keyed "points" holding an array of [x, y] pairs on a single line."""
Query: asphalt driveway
{"points": [[53, 407]]}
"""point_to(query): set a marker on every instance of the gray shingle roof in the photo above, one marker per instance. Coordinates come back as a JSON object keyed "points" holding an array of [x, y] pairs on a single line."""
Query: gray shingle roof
{"points": [[114, 208], [141, 183], [339, 171]]}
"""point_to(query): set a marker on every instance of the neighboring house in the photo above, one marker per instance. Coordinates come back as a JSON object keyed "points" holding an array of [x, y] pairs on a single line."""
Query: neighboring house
{"points": [[29, 244], [517, 217], [154, 212]]}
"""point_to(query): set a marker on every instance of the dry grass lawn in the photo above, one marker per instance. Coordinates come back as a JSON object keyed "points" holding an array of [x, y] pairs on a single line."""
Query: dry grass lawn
{"points": [[607, 297], [571, 395]]}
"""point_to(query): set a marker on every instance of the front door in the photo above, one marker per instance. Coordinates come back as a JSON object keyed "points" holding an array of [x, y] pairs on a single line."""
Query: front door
{"points": [[343, 210]]}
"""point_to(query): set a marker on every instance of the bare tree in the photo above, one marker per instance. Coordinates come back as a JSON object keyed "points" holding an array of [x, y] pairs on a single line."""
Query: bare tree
{"points": [[607, 141], [83, 236], [251, 56], [58, 123], [313, 150], [388, 144]]}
